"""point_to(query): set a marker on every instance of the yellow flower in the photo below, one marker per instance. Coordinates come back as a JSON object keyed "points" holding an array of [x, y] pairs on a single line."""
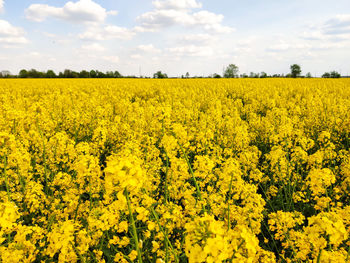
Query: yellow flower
{"points": [[151, 225], [123, 227], [155, 246], [8, 216], [216, 159], [133, 255]]}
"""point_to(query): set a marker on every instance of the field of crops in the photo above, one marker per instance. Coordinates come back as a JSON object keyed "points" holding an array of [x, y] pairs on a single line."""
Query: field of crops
{"points": [[175, 170]]}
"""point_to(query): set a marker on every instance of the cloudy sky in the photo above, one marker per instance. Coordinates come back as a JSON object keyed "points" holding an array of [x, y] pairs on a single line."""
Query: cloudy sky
{"points": [[175, 36]]}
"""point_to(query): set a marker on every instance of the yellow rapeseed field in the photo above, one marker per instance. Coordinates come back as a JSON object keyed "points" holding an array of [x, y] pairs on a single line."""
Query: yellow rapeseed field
{"points": [[202, 170]]}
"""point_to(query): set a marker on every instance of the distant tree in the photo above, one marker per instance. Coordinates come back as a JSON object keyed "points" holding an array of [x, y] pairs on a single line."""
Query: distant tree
{"points": [[295, 70], [326, 75], [117, 74], [23, 73], [5, 74], [216, 76], [308, 75], [332, 74], [335, 74], [187, 75], [93, 74], [160, 75], [67, 73], [33, 73], [70, 74], [50, 74], [263, 74], [109, 74], [84, 74], [231, 71], [253, 75], [244, 75], [100, 74]]}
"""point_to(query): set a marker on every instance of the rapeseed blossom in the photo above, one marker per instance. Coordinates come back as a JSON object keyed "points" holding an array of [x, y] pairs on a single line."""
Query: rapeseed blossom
{"points": [[201, 170]]}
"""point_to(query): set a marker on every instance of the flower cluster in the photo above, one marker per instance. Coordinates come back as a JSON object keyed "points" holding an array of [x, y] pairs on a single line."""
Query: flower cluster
{"points": [[175, 170]]}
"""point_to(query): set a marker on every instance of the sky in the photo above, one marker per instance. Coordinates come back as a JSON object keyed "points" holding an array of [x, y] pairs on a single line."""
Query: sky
{"points": [[140, 37]]}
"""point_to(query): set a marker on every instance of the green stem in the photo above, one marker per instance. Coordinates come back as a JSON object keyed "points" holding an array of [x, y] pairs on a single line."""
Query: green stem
{"points": [[166, 179], [165, 236], [319, 256], [291, 205], [6, 179], [272, 237], [167, 168], [76, 210], [44, 157], [328, 208], [132, 221], [166, 248], [266, 198], [234, 252], [191, 171], [228, 203], [77, 252]]}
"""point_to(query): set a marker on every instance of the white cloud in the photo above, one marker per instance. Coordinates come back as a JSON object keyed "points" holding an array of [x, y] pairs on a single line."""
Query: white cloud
{"points": [[161, 18], [106, 33], [39, 12], [62, 40], [207, 18], [111, 59], [49, 35], [95, 47], [334, 29], [1, 6], [6, 29], [279, 47], [211, 22], [313, 35], [176, 4], [340, 24], [337, 28], [10, 34], [142, 29], [217, 28], [112, 13], [118, 32], [192, 51], [288, 45], [83, 11], [241, 50], [329, 46], [136, 56], [34, 54], [148, 48], [196, 39]]}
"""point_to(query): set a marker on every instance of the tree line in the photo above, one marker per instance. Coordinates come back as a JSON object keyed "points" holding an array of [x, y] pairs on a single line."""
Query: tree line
{"points": [[231, 71], [67, 73]]}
